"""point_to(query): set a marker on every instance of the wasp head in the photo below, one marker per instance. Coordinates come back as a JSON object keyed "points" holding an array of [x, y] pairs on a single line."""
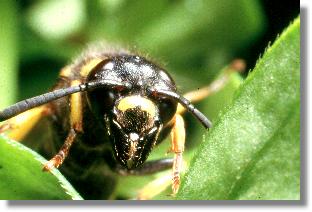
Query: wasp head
{"points": [[133, 129]]}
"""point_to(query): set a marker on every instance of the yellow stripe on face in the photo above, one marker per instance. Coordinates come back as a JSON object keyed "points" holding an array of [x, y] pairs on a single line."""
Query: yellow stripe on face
{"points": [[86, 68], [145, 104]]}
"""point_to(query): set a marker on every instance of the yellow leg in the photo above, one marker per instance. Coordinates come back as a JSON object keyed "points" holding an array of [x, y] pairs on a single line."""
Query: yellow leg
{"points": [[178, 141], [76, 127], [19, 126], [160, 184], [155, 187]]}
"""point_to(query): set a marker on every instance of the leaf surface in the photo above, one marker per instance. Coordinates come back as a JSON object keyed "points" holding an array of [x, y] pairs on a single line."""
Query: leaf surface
{"points": [[22, 178], [253, 151]]}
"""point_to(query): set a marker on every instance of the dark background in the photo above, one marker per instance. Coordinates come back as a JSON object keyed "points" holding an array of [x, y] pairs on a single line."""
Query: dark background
{"points": [[279, 14]]}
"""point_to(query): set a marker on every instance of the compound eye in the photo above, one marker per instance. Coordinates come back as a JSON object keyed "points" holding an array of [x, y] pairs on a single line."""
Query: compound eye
{"points": [[167, 109], [102, 100]]}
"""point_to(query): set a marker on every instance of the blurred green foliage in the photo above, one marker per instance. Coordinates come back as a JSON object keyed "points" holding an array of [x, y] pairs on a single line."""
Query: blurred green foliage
{"points": [[8, 52], [193, 39], [189, 37]]}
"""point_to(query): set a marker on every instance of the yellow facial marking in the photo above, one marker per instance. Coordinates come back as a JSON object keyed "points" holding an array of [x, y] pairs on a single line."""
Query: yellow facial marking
{"points": [[137, 101], [86, 68]]}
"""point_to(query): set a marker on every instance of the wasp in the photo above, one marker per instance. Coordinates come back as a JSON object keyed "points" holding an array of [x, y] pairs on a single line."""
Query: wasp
{"points": [[109, 109]]}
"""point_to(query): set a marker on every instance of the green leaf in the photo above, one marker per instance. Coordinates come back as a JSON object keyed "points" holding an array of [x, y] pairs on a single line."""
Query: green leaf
{"points": [[253, 151], [22, 178]]}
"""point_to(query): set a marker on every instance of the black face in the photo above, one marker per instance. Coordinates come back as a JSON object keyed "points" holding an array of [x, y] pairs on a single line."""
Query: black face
{"points": [[133, 117], [134, 128]]}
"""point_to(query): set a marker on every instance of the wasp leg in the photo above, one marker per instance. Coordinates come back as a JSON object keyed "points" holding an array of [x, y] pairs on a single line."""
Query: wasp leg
{"points": [[155, 187], [177, 142], [177, 147], [158, 185], [149, 167], [75, 128], [237, 65], [58, 159], [19, 126]]}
